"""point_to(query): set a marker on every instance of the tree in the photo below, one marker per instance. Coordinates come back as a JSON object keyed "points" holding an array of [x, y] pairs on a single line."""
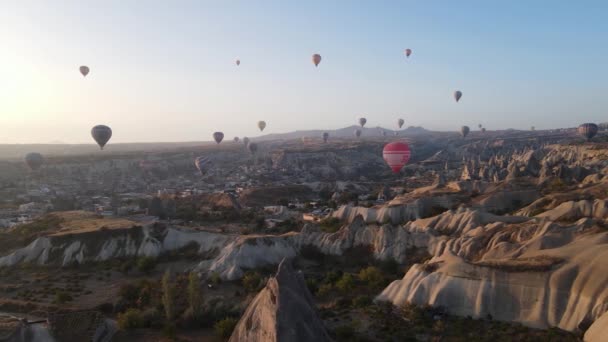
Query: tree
{"points": [[194, 295], [168, 297], [156, 208]]}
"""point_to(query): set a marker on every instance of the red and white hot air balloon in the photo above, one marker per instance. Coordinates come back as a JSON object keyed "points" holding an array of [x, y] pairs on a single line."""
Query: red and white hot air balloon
{"points": [[396, 155]]}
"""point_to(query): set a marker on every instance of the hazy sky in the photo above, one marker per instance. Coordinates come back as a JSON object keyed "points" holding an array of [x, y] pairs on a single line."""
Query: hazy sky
{"points": [[164, 70]]}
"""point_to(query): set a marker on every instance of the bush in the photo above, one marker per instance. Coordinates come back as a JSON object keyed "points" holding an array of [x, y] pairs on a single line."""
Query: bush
{"points": [[152, 318], [330, 224], [215, 278], [251, 281], [371, 276], [346, 283], [62, 297], [224, 328], [324, 290], [131, 319], [344, 333], [168, 296], [146, 264], [362, 301]]}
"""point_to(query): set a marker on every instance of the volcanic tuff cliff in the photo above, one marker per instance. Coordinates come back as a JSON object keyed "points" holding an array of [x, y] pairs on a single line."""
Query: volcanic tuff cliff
{"points": [[283, 311]]}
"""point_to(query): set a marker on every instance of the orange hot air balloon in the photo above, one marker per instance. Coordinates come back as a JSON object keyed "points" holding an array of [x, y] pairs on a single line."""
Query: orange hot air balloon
{"points": [[316, 59], [396, 155], [84, 70]]}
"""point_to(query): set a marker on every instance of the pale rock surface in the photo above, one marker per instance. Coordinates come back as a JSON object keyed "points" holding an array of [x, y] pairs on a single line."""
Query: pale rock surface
{"points": [[283, 311]]}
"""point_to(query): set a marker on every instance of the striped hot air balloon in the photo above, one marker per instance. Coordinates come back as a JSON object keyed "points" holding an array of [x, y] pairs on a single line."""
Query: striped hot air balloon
{"points": [[396, 155], [587, 130]]}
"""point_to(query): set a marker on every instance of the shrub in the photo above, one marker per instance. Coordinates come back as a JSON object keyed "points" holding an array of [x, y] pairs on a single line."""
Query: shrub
{"points": [[146, 264], [362, 301], [344, 332], [152, 318], [62, 297], [324, 290], [168, 297], [224, 328], [215, 278], [195, 297], [371, 276], [346, 283], [330, 224], [131, 319], [251, 281]]}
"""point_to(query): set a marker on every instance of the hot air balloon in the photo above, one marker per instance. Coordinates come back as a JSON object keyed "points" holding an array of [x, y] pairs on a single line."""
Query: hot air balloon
{"points": [[464, 131], [218, 137], [357, 132], [236, 139], [101, 134], [408, 52], [325, 137], [34, 160], [246, 141], [261, 125], [480, 125], [84, 70], [252, 147], [362, 121], [238, 62], [483, 129], [400, 123], [202, 164], [396, 155], [587, 130], [316, 59], [457, 95], [533, 128]]}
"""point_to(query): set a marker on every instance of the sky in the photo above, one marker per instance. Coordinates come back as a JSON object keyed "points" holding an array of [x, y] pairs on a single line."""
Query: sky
{"points": [[165, 71]]}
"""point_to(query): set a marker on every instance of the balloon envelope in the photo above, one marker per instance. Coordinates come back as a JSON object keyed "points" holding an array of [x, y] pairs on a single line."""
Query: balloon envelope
{"points": [[400, 122], [84, 70], [202, 164], [362, 121], [483, 129], [252, 147], [101, 134], [261, 125], [464, 131], [316, 59], [396, 155], [587, 130], [408, 52], [457, 95], [357, 132], [236, 139], [238, 62], [218, 137], [34, 160]]}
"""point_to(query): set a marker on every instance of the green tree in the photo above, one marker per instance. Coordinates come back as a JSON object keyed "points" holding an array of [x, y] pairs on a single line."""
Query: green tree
{"points": [[168, 296], [195, 296], [225, 327], [371, 276], [346, 283]]}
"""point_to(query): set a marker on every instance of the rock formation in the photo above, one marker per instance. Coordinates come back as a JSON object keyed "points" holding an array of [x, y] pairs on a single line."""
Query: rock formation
{"points": [[282, 311]]}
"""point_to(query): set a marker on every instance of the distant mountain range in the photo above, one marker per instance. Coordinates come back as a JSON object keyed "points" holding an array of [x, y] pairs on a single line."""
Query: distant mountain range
{"points": [[345, 132]]}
